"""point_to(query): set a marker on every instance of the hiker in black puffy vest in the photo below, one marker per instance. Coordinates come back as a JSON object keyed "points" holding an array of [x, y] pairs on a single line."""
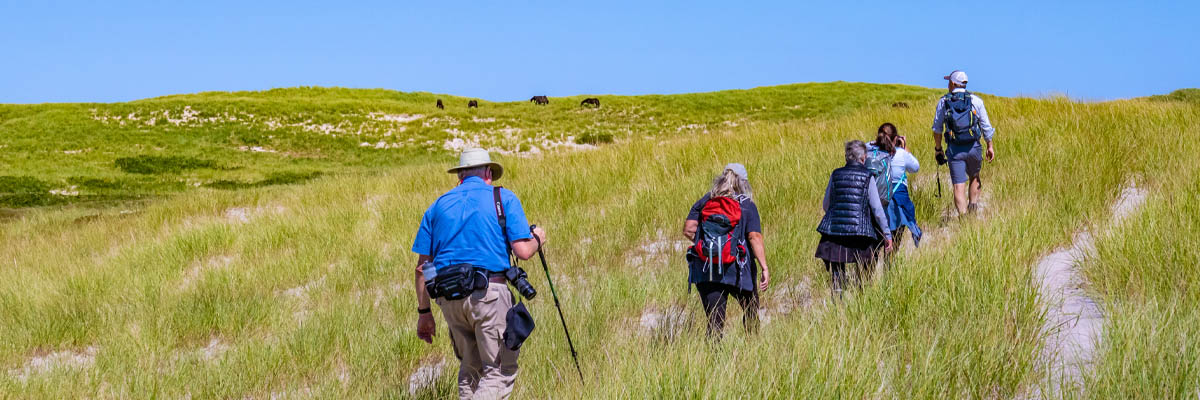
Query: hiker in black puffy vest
{"points": [[728, 243], [855, 225]]}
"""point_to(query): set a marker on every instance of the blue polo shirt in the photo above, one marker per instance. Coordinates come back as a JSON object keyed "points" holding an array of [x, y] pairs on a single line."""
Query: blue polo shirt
{"points": [[462, 227]]}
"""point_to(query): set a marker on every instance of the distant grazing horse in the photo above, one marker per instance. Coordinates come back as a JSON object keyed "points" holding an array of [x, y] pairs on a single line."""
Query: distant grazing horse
{"points": [[473, 104], [540, 100], [440, 106], [590, 101], [900, 105]]}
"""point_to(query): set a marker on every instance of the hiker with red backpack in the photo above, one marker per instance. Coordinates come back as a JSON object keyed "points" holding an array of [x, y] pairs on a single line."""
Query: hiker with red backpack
{"points": [[962, 120], [726, 233], [855, 225]]}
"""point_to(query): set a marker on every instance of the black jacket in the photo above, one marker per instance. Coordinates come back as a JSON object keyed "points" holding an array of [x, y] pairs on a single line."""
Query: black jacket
{"points": [[849, 211]]}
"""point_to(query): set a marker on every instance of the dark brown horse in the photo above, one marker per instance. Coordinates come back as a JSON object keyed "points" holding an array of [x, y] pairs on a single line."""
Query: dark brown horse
{"points": [[473, 104], [540, 100], [440, 106], [900, 105], [590, 101]]}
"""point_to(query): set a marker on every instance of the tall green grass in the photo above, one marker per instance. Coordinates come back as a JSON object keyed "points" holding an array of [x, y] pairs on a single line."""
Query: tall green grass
{"points": [[307, 289], [1145, 272]]}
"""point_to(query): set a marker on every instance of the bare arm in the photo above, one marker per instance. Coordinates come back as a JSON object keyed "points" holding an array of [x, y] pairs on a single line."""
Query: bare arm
{"points": [[689, 229], [760, 250], [419, 282], [939, 116], [425, 326], [526, 248], [760, 254]]}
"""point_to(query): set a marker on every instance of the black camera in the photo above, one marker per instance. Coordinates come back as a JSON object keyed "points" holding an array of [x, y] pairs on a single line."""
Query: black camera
{"points": [[518, 278]]}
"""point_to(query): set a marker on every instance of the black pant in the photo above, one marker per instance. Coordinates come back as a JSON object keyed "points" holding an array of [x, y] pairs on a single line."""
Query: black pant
{"points": [[714, 297], [838, 281]]}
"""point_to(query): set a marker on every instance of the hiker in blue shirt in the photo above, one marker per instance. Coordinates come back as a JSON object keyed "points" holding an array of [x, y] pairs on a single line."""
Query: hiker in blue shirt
{"points": [[460, 245], [962, 119]]}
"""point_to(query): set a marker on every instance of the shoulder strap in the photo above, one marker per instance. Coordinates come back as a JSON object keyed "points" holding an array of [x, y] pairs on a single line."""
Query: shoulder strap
{"points": [[501, 217]]}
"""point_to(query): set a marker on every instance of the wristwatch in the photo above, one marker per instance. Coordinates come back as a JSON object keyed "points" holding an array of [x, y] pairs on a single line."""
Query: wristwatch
{"points": [[423, 311]]}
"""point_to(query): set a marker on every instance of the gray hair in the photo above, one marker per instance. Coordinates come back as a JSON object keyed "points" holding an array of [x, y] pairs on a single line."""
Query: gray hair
{"points": [[480, 171], [855, 150], [729, 184]]}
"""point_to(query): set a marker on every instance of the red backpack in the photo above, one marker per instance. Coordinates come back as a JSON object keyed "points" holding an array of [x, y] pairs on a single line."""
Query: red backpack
{"points": [[717, 242]]}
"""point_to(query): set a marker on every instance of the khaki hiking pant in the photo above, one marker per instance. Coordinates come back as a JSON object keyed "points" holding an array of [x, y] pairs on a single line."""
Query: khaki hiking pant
{"points": [[487, 368]]}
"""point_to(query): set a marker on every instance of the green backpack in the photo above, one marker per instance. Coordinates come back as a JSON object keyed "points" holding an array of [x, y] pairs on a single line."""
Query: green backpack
{"points": [[880, 165]]}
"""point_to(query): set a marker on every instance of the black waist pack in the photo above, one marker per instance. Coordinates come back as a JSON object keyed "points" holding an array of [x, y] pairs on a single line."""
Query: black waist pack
{"points": [[456, 282]]}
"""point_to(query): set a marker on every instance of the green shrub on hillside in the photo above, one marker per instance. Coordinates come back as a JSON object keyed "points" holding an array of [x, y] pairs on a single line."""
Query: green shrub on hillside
{"points": [[275, 178], [161, 164], [25, 191]]}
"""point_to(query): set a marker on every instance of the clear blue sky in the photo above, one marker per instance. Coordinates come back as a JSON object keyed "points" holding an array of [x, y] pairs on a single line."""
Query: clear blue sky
{"points": [[68, 51]]}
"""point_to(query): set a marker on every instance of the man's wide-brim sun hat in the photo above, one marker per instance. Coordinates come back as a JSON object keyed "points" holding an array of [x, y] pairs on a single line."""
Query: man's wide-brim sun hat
{"points": [[475, 157]]}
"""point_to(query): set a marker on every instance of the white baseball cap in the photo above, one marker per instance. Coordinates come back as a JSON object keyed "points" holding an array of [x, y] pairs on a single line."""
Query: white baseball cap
{"points": [[958, 77]]}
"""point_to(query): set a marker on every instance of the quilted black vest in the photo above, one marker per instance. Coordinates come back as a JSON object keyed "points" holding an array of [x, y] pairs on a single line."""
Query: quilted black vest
{"points": [[849, 208]]}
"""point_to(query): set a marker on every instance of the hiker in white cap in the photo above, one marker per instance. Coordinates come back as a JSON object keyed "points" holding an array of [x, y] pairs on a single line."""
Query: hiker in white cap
{"points": [[727, 235], [963, 121], [463, 249]]}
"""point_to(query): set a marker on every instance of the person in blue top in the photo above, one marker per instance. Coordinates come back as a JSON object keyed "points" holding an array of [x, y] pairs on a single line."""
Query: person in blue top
{"points": [[962, 119], [900, 210], [460, 244]]}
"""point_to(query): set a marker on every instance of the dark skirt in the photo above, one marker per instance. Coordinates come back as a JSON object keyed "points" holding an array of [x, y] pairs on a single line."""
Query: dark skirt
{"points": [[847, 249]]}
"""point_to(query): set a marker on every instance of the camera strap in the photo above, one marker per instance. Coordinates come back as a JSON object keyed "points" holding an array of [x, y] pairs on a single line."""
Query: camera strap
{"points": [[500, 216]]}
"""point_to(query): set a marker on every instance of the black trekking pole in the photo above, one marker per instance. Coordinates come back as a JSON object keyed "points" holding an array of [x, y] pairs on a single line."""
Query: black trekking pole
{"points": [[941, 159], [938, 168], [554, 294]]}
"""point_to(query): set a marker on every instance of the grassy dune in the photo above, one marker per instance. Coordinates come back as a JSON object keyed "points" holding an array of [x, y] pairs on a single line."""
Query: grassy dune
{"points": [[105, 153], [302, 290]]}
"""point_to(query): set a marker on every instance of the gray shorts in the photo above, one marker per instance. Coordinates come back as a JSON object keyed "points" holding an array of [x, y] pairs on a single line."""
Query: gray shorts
{"points": [[964, 163]]}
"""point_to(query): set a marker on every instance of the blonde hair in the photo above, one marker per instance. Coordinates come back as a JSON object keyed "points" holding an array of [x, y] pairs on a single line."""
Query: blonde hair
{"points": [[729, 184]]}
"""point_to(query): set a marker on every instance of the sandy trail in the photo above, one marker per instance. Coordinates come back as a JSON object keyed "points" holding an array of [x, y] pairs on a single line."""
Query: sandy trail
{"points": [[1074, 322]]}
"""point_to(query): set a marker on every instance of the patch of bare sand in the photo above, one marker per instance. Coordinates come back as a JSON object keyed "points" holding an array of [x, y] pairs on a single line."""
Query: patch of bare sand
{"points": [[1074, 321], [657, 250], [198, 268], [245, 214], [426, 376], [664, 323], [62, 359], [299, 296], [784, 299]]}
